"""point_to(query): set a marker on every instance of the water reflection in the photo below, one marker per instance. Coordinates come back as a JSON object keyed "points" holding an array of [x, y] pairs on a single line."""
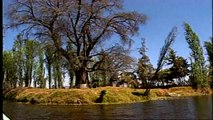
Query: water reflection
{"points": [[201, 107], [185, 108]]}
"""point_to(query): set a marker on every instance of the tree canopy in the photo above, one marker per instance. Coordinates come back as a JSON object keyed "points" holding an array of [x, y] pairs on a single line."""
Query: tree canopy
{"points": [[86, 24]]}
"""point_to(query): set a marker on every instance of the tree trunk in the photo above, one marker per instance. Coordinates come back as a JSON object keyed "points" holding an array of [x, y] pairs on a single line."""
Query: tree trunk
{"points": [[26, 79], [58, 74], [148, 87], [55, 84], [35, 84], [71, 74], [20, 78], [146, 93], [30, 75], [59, 80], [81, 76], [71, 82], [49, 75]]}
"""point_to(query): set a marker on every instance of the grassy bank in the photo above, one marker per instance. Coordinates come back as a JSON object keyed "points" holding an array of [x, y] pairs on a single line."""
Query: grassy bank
{"points": [[103, 95]]}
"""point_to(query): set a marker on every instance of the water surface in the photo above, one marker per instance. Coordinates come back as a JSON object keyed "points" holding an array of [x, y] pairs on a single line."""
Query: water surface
{"points": [[199, 107]]}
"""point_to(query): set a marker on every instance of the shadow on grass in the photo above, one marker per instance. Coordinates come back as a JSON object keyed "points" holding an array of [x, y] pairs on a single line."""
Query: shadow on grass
{"points": [[100, 99], [138, 93]]}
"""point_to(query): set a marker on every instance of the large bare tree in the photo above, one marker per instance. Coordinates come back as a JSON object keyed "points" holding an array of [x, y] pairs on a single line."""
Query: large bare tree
{"points": [[86, 24]]}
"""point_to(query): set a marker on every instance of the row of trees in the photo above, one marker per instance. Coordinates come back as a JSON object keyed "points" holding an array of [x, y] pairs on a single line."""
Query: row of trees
{"points": [[28, 61], [25, 64], [31, 62], [198, 70], [73, 36]]}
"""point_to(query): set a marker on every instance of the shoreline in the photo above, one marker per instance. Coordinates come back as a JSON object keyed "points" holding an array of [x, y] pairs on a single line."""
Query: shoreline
{"points": [[97, 96]]}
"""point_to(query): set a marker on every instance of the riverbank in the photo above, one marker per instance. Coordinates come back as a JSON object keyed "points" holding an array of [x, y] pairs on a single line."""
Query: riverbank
{"points": [[101, 95]]}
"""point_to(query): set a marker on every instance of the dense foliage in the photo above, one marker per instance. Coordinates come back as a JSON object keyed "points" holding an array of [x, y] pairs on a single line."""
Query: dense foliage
{"points": [[209, 49], [179, 67], [198, 71]]}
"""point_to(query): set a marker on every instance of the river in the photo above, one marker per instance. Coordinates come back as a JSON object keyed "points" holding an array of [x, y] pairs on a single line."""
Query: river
{"points": [[198, 107]]}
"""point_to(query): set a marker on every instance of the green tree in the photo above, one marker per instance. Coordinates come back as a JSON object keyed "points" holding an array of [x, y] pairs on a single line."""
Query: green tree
{"points": [[87, 24], [9, 70], [209, 48], [18, 50], [41, 69], [164, 76], [31, 48], [57, 70], [70, 67], [179, 68], [49, 57], [145, 68], [198, 72]]}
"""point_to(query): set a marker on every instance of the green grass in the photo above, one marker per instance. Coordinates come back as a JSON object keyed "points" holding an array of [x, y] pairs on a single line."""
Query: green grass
{"points": [[101, 95]]}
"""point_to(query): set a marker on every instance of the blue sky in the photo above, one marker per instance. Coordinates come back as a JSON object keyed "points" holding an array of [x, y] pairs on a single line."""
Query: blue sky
{"points": [[165, 14], [162, 16]]}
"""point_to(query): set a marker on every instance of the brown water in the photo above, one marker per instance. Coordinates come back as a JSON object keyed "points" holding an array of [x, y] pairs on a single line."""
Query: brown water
{"points": [[199, 107]]}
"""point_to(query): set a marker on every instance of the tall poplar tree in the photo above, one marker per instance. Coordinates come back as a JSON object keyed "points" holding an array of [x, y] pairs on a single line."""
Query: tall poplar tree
{"points": [[41, 69], [31, 51], [198, 72], [18, 50], [57, 70], [9, 70], [209, 50], [49, 54]]}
